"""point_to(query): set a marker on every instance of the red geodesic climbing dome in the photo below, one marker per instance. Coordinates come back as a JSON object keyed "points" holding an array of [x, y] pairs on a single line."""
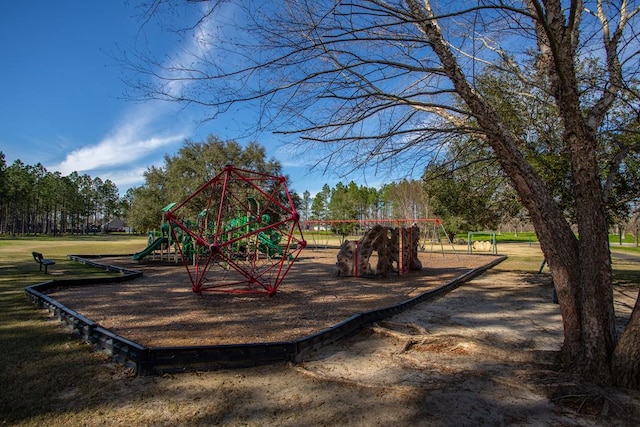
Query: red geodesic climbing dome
{"points": [[239, 232]]}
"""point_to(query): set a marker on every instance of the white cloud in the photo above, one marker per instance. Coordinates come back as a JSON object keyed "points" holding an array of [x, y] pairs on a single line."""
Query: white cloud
{"points": [[130, 141], [126, 178], [182, 70], [143, 136]]}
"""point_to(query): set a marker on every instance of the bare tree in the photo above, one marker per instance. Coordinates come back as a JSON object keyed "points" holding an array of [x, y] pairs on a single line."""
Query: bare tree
{"points": [[390, 81]]}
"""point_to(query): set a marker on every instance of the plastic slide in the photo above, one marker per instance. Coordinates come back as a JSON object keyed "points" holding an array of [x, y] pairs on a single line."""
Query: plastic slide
{"points": [[270, 247], [152, 247]]}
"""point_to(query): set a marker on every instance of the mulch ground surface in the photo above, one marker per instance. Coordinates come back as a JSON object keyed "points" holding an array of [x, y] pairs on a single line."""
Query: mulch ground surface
{"points": [[159, 309]]}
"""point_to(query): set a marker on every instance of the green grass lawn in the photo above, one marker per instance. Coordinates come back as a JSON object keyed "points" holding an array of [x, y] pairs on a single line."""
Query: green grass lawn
{"points": [[39, 360], [626, 244], [627, 239], [615, 247], [503, 237]]}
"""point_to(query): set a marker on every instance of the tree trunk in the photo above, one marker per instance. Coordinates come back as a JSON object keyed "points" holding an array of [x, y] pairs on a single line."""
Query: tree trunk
{"points": [[582, 280], [626, 357], [581, 267]]}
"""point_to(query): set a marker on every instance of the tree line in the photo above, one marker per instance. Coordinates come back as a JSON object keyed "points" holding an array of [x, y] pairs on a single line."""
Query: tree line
{"points": [[36, 201], [467, 191], [197, 162]]}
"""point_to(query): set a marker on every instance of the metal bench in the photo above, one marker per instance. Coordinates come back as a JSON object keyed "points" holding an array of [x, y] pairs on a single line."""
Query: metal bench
{"points": [[37, 256]]}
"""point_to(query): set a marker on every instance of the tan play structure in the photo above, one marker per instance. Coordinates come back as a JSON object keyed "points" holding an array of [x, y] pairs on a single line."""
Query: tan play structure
{"points": [[396, 249]]}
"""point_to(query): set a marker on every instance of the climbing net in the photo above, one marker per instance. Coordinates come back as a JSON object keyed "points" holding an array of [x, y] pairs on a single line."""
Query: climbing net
{"points": [[238, 233]]}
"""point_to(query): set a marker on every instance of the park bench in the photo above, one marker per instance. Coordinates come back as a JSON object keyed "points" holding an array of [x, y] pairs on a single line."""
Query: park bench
{"points": [[37, 256]]}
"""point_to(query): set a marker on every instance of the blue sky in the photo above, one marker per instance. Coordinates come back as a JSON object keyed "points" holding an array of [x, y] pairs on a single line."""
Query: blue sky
{"points": [[63, 102]]}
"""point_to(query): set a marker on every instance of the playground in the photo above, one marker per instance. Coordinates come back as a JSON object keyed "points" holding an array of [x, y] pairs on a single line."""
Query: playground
{"points": [[238, 236], [159, 309], [241, 221]]}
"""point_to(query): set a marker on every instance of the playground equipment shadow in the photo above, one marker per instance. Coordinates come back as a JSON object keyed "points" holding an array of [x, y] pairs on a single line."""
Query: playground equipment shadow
{"points": [[158, 311]]}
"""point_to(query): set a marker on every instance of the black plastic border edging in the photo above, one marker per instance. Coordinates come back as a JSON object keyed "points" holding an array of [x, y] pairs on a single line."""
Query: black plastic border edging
{"points": [[356, 322], [152, 360], [122, 350]]}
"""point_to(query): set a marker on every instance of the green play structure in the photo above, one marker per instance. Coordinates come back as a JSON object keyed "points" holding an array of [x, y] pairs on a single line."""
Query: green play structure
{"points": [[164, 243], [158, 244], [267, 241], [154, 246]]}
